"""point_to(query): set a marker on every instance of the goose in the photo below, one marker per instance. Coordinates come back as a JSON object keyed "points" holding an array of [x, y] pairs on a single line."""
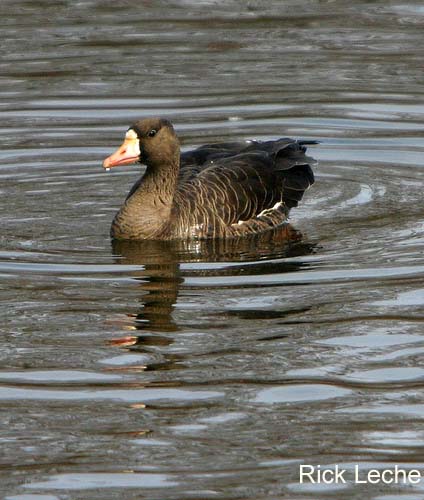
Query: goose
{"points": [[222, 190]]}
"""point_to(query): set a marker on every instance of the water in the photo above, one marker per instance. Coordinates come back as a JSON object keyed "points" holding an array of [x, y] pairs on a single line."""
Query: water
{"points": [[210, 370]]}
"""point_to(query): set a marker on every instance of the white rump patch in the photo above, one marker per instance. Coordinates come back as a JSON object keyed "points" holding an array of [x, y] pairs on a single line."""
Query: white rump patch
{"points": [[264, 212], [268, 210], [239, 223]]}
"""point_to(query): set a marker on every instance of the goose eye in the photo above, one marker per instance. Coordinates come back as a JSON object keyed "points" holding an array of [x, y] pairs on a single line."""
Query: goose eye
{"points": [[152, 133]]}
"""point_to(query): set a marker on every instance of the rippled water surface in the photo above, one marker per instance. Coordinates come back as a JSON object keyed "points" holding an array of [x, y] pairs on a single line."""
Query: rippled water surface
{"points": [[210, 370]]}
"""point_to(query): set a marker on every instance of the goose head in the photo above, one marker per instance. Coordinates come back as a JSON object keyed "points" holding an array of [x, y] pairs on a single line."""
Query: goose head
{"points": [[151, 141]]}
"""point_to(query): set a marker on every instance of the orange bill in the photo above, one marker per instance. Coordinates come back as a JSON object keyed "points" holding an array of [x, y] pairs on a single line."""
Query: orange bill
{"points": [[128, 152]]}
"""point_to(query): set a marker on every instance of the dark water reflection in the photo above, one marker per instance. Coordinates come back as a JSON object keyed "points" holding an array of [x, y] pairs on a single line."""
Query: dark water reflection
{"points": [[161, 276], [210, 370]]}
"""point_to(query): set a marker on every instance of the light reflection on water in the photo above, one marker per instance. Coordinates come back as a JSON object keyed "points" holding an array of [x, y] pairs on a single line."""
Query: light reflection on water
{"points": [[212, 369]]}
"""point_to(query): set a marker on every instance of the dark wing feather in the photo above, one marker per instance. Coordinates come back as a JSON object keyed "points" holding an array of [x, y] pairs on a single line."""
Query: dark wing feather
{"points": [[222, 184], [192, 162]]}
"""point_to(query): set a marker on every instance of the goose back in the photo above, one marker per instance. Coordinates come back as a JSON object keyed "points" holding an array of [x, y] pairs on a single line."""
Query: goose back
{"points": [[231, 189]]}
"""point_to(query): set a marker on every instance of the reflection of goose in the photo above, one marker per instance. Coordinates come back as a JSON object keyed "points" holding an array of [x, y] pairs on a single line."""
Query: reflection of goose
{"points": [[159, 280], [216, 191], [161, 277]]}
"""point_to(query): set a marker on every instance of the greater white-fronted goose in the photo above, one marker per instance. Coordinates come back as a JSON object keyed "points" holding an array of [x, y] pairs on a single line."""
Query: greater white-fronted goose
{"points": [[222, 190]]}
